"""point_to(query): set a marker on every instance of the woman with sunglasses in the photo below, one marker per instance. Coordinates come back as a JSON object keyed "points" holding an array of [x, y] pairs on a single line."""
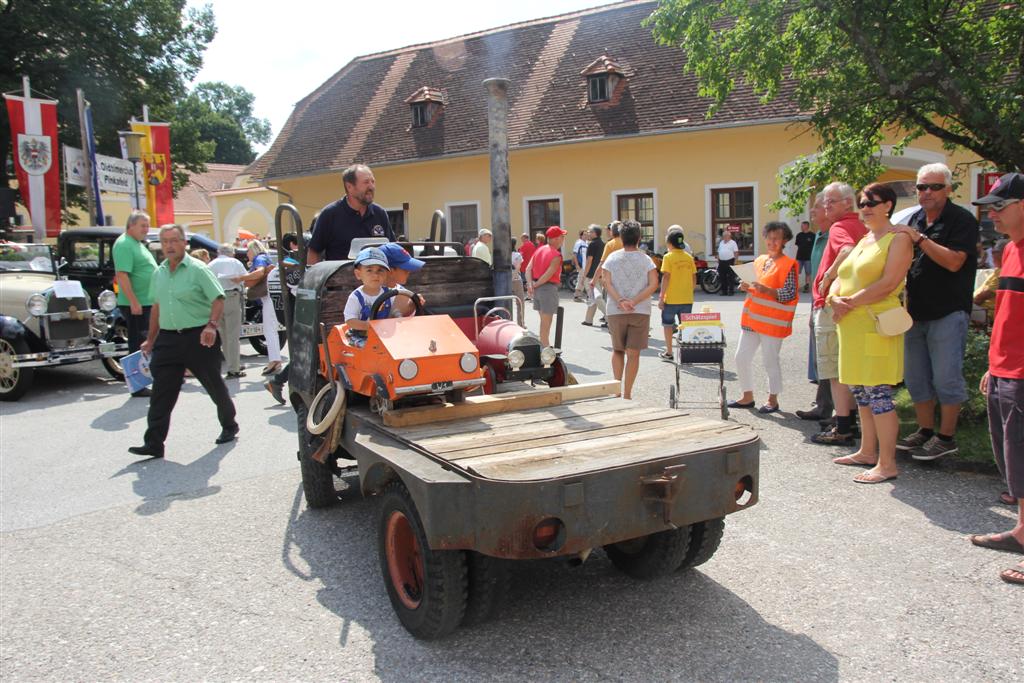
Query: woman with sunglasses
{"points": [[870, 282]]}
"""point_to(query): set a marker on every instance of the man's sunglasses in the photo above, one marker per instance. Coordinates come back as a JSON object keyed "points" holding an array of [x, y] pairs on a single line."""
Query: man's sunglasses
{"points": [[1001, 204], [868, 202], [934, 187]]}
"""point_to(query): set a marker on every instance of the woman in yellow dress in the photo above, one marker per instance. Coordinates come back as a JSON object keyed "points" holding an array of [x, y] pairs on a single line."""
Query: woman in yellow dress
{"points": [[870, 282]]}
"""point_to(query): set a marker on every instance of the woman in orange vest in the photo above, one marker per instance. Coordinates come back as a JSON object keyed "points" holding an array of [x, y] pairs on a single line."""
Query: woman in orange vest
{"points": [[767, 317]]}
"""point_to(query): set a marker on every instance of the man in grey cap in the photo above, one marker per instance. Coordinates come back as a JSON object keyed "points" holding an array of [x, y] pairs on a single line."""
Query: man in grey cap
{"points": [[482, 248]]}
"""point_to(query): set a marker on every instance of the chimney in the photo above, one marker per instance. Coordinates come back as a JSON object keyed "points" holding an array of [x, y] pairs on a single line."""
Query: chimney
{"points": [[497, 143]]}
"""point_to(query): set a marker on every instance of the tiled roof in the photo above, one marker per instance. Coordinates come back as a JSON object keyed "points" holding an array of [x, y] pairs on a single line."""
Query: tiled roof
{"points": [[195, 196], [362, 114]]}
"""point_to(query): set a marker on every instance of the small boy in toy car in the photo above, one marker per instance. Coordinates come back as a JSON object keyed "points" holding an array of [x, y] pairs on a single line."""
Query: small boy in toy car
{"points": [[400, 264]]}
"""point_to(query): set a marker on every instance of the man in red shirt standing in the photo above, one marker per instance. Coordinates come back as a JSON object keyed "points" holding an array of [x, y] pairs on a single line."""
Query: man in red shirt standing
{"points": [[1003, 384], [845, 231], [526, 249], [543, 278]]}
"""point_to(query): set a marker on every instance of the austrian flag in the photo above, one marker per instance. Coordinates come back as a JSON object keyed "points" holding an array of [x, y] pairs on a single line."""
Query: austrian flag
{"points": [[34, 133]]}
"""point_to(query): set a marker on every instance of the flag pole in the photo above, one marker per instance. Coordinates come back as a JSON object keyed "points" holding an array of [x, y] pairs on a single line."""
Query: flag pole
{"points": [[90, 199]]}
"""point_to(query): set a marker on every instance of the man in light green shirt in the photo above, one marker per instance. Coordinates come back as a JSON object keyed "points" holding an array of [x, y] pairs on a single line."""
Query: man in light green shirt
{"points": [[187, 303], [134, 266], [482, 248]]}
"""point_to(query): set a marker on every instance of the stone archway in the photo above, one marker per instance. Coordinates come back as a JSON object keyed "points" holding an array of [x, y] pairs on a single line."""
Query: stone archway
{"points": [[229, 226]]}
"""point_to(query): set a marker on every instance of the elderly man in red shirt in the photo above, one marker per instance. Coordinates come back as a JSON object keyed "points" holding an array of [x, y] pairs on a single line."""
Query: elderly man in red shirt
{"points": [[543, 277]]}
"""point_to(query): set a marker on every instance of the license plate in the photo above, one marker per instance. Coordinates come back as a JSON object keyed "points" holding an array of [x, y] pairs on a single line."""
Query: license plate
{"points": [[252, 330], [108, 347], [440, 386]]}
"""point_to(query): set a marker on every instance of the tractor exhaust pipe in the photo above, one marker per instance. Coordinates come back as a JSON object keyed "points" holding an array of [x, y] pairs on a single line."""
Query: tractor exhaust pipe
{"points": [[497, 144]]}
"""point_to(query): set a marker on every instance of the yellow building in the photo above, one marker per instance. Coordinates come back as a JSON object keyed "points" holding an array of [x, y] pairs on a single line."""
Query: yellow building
{"points": [[603, 124]]}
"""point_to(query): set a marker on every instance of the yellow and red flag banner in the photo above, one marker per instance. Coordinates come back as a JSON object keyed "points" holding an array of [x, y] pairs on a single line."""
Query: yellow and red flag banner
{"points": [[34, 133], [156, 169]]}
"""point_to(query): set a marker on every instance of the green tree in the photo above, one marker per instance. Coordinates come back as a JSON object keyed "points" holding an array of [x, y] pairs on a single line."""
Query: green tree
{"points": [[235, 102], [122, 54], [220, 117], [949, 68]]}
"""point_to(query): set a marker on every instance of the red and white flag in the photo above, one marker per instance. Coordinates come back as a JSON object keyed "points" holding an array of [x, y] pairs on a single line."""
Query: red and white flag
{"points": [[34, 133]]}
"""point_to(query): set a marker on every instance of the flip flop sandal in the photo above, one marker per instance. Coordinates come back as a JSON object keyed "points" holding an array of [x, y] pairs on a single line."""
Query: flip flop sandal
{"points": [[869, 478], [1006, 499], [1005, 543], [1014, 574], [852, 461], [665, 356]]}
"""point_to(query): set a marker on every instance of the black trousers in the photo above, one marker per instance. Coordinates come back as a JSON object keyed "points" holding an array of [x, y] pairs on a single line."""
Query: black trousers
{"points": [[173, 353], [726, 275], [138, 326]]}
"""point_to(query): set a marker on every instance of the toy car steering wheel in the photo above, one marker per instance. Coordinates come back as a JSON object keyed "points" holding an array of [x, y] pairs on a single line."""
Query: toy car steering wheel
{"points": [[496, 310], [375, 309]]}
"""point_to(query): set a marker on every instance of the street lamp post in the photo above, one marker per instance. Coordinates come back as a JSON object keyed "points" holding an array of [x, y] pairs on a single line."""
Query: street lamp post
{"points": [[133, 146]]}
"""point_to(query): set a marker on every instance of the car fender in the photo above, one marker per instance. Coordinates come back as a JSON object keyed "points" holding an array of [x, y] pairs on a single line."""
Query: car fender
{"points": [[13, 329]]}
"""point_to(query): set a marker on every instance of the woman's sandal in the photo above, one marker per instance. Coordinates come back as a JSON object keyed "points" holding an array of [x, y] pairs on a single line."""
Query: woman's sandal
{"points": [[852, 461]]}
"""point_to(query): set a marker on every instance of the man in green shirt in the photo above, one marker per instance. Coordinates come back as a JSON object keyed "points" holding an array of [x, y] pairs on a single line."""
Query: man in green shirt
{"points": [[823, 401], [134, 266], [187, 303]]}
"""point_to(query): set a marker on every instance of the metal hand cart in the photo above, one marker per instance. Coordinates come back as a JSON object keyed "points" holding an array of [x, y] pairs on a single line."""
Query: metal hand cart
{"points": [[697, 352]]}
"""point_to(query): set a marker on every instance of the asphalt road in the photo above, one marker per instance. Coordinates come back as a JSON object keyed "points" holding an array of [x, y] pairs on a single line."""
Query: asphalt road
{"points": [[207, 565]]}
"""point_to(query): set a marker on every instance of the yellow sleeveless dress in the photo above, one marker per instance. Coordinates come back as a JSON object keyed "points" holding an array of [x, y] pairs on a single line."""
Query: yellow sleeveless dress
{"points": [[865, 357]]}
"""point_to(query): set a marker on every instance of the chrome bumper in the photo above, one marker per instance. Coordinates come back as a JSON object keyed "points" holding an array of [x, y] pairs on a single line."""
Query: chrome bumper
{"points": [[80, 354], [439, 387]]}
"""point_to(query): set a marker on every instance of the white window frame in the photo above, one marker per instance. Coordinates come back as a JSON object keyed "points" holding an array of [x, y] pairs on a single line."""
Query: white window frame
{"points": [[448, 212], [708, 237], [537, 198], [653, 191]]}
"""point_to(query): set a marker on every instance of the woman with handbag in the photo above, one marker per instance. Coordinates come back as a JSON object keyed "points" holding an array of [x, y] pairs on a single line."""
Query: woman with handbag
{"points": [[260, 266], [871, 321]]}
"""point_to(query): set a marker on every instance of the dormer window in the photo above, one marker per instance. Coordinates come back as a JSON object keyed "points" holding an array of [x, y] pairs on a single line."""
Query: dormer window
{"points": [[427, 104], [603, 76], [597, 88]]}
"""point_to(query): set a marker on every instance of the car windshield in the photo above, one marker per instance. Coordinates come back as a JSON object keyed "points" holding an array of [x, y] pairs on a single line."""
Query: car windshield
{"points": [[22, 257]]}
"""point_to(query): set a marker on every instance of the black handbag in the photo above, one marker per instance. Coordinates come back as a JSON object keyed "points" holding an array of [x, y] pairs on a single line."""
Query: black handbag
{"points": [[257, 291]]}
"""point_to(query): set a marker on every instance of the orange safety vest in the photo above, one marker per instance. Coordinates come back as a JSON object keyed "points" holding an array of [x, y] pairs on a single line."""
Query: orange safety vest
{"points": [[763, 314]]}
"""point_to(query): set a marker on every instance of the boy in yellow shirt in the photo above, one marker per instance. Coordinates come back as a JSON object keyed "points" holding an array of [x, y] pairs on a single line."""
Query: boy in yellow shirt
{"points": [[678, 277]]}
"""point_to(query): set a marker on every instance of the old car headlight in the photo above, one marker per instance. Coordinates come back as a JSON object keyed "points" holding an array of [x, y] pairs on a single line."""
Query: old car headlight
{"points": [[468, 362], [36, 304], [407, 369], [107, 300], [547, 355], [516, 359]]}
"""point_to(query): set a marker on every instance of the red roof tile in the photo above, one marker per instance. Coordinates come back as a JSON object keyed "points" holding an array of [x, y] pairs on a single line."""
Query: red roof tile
{"points": [[195, 196]]}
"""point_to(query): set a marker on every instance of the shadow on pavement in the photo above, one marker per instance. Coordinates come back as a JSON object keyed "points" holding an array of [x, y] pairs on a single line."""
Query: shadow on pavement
{"points": [[159, 481], [557, 623], [959, 501], [51, 387]]}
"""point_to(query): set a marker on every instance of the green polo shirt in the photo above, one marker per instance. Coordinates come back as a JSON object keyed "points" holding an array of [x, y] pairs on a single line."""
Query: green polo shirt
{"points": [[131, 256], [817, 251], [186, 295]]}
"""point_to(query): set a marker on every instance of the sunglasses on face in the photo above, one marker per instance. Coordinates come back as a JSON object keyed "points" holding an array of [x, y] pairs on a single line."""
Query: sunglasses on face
{"points": [[934, 187], [1001, 204], [868, 202]]}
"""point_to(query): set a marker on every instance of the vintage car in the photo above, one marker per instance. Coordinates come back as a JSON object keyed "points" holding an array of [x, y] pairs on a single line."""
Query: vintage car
{"points": [[46, 321]]}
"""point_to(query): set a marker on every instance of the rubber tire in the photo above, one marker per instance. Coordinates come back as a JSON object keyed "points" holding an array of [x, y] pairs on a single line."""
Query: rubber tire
{"points": [[488, 579], [317, 479], [651, 556], [113, 365], [705, 537], [571, 280], [562, 375], [442, 603], [337, 405], [710, 282], [23, 376], [490, 380]]}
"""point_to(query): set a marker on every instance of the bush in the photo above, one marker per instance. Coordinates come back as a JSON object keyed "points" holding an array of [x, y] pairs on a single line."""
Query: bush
{"points": [[975, 365]]}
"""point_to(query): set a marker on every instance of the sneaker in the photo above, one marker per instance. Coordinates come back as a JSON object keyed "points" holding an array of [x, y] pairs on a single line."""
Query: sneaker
{"points": [[832, 437], [934, 449], [912, 441]]}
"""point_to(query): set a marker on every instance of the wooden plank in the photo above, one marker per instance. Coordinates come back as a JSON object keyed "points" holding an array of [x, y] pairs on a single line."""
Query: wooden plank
{"points": [[577, 392], [531, 435]]}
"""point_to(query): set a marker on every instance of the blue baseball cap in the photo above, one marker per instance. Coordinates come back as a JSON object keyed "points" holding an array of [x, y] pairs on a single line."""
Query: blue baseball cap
{"points": [[372, 256], [399, 258]]}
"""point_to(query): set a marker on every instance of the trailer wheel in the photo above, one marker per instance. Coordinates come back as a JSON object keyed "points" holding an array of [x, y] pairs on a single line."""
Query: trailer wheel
{"points": [[650, 556], [317, 479], [488, 579], [704, 540], [427, 587]]}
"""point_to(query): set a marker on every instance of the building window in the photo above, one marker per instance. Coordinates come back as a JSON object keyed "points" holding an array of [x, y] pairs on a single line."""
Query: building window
{"points": [[544, 213], [397, 220], [463, 222], [419, 115], [639, 208], [598, 88], [732, 209]]}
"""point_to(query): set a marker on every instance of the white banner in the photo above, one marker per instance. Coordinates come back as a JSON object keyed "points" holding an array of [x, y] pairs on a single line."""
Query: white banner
{"points": [[115, 175]]}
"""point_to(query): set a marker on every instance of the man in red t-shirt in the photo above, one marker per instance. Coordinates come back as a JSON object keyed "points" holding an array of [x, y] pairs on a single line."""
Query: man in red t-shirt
{"points": [[844, 233], [543, 279], [1003, 384]]}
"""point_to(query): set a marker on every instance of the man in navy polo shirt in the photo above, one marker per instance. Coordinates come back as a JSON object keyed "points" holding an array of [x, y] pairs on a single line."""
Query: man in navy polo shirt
{"points": [[354, 215]]}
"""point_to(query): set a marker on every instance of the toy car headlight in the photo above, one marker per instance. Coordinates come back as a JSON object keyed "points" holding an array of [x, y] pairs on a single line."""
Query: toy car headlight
{"points": [[547, 355], [36, 304], [408, 369], [107, 300], [468, 362], [516, 359]]}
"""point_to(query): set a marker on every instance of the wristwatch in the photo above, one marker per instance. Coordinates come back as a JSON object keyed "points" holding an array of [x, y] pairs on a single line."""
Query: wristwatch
{"points": [[922, 238]]}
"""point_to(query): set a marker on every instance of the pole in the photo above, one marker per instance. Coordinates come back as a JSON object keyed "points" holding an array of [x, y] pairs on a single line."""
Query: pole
{"points": [[135, 184], [497, 142], [89, 198]]}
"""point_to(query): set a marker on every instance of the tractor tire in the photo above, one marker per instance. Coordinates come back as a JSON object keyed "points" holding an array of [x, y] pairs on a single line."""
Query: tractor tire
{"points": [[705, 538], [317, 479], [427, 588], [488, 579], [14, 382], [651, 556]]}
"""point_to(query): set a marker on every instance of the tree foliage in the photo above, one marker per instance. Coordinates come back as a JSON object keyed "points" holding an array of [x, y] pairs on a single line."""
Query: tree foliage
{"points": [[953, 69], [220, 117], [121, 54]]}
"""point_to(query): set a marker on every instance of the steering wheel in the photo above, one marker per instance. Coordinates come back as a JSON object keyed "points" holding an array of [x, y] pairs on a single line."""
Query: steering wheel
{"points": [[498, 309], [375, 309]]}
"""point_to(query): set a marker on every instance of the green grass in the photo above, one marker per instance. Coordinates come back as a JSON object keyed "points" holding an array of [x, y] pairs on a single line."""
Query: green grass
{"points": [[972, 435]]}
